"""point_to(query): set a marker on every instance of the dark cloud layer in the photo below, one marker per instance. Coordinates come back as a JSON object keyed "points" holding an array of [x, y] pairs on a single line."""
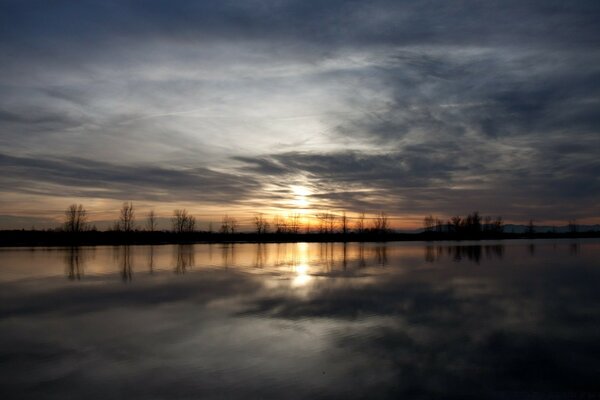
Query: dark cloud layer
{"points": [[86, 178], [415, 107]]}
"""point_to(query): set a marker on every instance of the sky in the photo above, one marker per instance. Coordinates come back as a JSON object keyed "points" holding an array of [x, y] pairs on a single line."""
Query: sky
{"points": [[296, 106]]}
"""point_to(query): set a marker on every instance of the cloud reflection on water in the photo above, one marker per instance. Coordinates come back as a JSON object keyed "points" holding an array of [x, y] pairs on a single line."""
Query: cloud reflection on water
{"points": [[312, 320]]}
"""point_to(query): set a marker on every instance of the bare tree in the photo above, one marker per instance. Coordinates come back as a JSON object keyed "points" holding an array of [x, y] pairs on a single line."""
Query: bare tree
{"points": [[280, 224], [261, 223], [456, 222], [182, 221], [151, 221], [228, 224], [76, 218], [344, 223], [322, 218], [294, 223], [428, 223], [360, 223], [331, 222], [530, 228], [498, 225], [573, 228], [126, 218], [381, 222], [327, 222]]}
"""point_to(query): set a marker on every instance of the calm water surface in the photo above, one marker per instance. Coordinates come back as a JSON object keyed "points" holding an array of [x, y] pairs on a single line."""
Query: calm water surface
{"points": [[502, 320]]}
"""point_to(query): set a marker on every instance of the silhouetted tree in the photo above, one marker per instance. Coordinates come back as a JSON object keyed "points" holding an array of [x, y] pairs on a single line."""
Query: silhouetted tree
{"points": [[126, 218], [428, 223], [322, 218], [76, 219], [573, 228], [381, 222], [472, 223], [456, 222], [498, 225], [344, 223], [151, 221], [261, 223], [183, 222], [327, 222], [530, 230], [280, 224], [294, 223], [228, 224], [360, 223]]}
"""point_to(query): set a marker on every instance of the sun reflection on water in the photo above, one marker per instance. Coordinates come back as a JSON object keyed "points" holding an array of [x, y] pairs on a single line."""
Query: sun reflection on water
{"points": [[302, 276]]}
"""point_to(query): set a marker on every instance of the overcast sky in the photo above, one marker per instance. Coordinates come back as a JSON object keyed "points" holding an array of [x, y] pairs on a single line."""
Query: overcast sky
{"points": [[412, 107]]}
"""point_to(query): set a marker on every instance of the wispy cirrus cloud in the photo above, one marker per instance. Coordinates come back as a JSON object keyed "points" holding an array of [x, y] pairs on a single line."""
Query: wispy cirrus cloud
{"points": [[416, 107]]}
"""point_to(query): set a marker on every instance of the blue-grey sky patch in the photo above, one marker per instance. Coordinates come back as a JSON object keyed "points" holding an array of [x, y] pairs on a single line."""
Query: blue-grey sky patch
{"points": [[414, 107]]}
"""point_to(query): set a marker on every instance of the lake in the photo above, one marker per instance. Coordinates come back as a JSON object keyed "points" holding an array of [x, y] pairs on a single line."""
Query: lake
{"points": [[499, 320]]}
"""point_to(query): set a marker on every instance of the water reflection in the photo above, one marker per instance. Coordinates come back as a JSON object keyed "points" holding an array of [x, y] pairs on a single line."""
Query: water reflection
{"points": [[151, 259], [123, 258], [574, 248], [74, 263], [308, 320], [472, 253], [184, 258], [321, 258], [261, 255], [228, 254]]}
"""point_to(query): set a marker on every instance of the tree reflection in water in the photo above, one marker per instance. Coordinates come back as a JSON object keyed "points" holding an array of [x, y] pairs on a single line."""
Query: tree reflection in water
{"points": [[151, 259], [469, 252], [75, 262], [184, 258]]}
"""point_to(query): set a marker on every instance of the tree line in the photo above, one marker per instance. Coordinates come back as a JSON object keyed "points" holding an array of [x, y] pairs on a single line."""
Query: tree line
{"points": [[76, 219], [472, 225]]}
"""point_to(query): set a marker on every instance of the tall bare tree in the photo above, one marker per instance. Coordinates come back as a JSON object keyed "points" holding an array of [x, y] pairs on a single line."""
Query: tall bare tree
{"points": [[456, 222], [381, 222], [428, 223], [294, 223], [261, 223], [151, 221], [360, 223], [76, 219], [327, 222], [228, 224], [127, 218], [573, 227], [280, 224], [344, 223], [322, 218], [182, 221]]}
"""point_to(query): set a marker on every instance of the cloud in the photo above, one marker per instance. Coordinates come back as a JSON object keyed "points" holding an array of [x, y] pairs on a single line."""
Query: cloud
{"points": [[418, 106], [79, 177]]}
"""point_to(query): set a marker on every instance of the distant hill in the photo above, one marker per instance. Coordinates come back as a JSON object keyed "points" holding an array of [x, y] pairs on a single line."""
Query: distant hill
{"points": [[515, 228]]}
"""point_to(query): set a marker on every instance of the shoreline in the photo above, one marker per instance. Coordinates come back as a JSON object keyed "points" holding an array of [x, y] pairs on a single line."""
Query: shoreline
{"points": [[23, 238]]}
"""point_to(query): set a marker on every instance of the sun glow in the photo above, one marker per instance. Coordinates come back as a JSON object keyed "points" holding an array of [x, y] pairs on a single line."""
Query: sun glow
{"points": [[302, 268], [302, 276], [300, 196]]}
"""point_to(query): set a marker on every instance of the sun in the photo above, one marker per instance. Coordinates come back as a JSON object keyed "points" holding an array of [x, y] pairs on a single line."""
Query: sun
{"points": [[301, 193]]}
